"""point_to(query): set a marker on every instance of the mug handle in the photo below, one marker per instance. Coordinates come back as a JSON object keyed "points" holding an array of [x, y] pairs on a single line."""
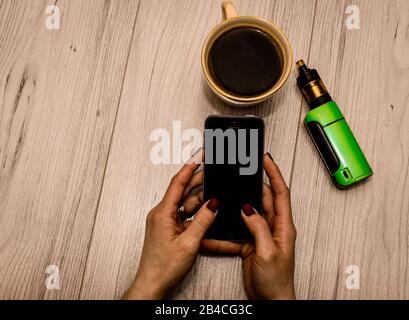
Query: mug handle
{"points": [[228, 9]]}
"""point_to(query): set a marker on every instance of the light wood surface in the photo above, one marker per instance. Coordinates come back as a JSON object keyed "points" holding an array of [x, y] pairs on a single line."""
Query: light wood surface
{"points": [[78, 105]]}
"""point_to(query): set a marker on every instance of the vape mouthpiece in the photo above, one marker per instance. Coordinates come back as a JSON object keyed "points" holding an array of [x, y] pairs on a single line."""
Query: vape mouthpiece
{"points": [[300, 63], [311, 86], [302, 68]]}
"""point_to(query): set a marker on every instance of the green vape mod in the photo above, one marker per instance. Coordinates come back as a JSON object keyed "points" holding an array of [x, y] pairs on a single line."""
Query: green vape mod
{"points": [[330, 132]]}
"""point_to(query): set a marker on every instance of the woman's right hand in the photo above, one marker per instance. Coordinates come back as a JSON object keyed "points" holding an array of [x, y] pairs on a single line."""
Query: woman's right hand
{"points": [[268, 263]]}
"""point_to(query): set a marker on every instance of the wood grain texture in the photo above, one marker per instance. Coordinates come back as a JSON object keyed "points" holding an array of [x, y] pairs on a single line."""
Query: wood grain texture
{"points": [[367, 72], [164, 83], [59, 93], [78, 105]]}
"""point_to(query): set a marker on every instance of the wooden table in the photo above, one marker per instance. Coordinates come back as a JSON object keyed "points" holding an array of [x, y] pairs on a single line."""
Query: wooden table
{"points": [[78, 104]]}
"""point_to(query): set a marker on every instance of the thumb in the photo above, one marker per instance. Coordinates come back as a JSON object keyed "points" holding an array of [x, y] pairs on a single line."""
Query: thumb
{"points": [[201, 222], [259, 228]]}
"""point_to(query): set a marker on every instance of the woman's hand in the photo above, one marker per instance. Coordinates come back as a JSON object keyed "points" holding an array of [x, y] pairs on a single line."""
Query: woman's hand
{"points": [[268, 264], [170, 249]]}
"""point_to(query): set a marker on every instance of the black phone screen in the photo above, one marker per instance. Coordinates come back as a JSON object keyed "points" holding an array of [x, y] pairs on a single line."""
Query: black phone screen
{"points": [[233, 172]]}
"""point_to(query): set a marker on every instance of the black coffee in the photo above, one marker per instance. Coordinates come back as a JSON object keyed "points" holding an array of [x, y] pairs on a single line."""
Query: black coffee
{"points": [[245, 61]]}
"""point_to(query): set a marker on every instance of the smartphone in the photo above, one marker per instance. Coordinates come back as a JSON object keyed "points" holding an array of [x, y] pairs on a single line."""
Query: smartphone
{"points": [[233, 172]]}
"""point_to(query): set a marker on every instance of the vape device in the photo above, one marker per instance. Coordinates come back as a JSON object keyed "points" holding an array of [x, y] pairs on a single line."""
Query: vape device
{"points": [[330, 132]]}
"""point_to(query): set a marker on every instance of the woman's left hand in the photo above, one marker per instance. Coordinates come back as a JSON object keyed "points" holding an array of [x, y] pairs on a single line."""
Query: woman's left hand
{"points": [[170, 246]]}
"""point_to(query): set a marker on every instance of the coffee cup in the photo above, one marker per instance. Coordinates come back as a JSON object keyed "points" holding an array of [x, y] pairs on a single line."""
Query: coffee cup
{"points": [[245, 59]]}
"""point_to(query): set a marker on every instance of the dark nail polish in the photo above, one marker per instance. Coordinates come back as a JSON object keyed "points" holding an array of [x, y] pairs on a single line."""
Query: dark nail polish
{"points": [[248, 210], [269, 155], [213, 205]]}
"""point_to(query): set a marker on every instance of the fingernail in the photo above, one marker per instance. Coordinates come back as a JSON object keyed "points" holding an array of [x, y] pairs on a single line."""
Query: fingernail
{"points": [[198, 150], [213, 205], [197, 157], [248, 210], [269, 155]]}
